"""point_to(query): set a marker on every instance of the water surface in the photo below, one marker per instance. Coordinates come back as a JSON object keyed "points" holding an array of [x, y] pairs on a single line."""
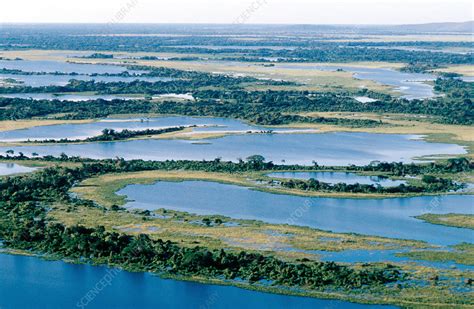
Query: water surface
{"points": [[49, 66], [80, 131], [12, 169], [410, 85], [326, 149], [392, 217], [28, 282], [62, 80]]}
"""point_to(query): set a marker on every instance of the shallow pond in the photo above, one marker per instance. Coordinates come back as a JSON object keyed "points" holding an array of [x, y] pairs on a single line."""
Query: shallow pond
{"points": [[326, 149], [28, 282], [392, 217], [12, 169], [338, 177]]}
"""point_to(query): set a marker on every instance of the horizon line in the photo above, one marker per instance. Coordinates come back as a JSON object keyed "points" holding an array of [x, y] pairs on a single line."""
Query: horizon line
{"points": [[234, 24]]}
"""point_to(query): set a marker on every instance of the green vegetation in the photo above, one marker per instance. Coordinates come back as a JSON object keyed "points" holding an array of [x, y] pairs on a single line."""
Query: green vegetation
{"points": [[306, 45], [260, 107], [453, 165], [430, 184], [461, 254]]}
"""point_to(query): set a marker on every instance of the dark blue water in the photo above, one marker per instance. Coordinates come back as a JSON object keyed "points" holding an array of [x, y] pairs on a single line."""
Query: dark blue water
{"points": [[326, 149], [27, 282], [381, 217], [338, 177]]}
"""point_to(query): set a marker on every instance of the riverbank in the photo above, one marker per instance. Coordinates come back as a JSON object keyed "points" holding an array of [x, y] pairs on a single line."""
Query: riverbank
{"points": [[455, 220]]}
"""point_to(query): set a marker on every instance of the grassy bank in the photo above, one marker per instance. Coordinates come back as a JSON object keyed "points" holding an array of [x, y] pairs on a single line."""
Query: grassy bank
{"points": [[455, 220]]}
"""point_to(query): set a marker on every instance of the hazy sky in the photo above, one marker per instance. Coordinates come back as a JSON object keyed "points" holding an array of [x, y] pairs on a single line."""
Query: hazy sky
{"points": [[243, 11]]}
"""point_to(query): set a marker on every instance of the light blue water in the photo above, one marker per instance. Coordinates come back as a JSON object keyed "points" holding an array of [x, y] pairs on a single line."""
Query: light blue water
{"points": [[381, 217], [326, 149], [12, 168], [49, 66], [62, 80], [27, 282], [410, 85], [79, 131], [378, 256], [338, 177]]}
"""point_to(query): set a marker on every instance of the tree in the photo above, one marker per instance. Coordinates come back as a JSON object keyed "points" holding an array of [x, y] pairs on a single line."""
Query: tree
{"points": [[255, 159]]}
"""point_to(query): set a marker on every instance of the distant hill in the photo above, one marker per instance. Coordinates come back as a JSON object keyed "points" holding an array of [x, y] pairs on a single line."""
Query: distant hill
{"points": [[464, 27]]}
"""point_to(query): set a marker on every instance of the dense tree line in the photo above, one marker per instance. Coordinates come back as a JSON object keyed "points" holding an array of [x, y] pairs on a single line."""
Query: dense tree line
{"points": [[258, 163], [430, 184], [24, 225], [455, 88], [453, 165], [142, 87], [261, 107]]}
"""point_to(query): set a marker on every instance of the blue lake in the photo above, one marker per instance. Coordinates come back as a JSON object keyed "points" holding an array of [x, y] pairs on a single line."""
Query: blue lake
{"points": [[28, 282], [326, 149], [391, 217], [338, 177]]}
